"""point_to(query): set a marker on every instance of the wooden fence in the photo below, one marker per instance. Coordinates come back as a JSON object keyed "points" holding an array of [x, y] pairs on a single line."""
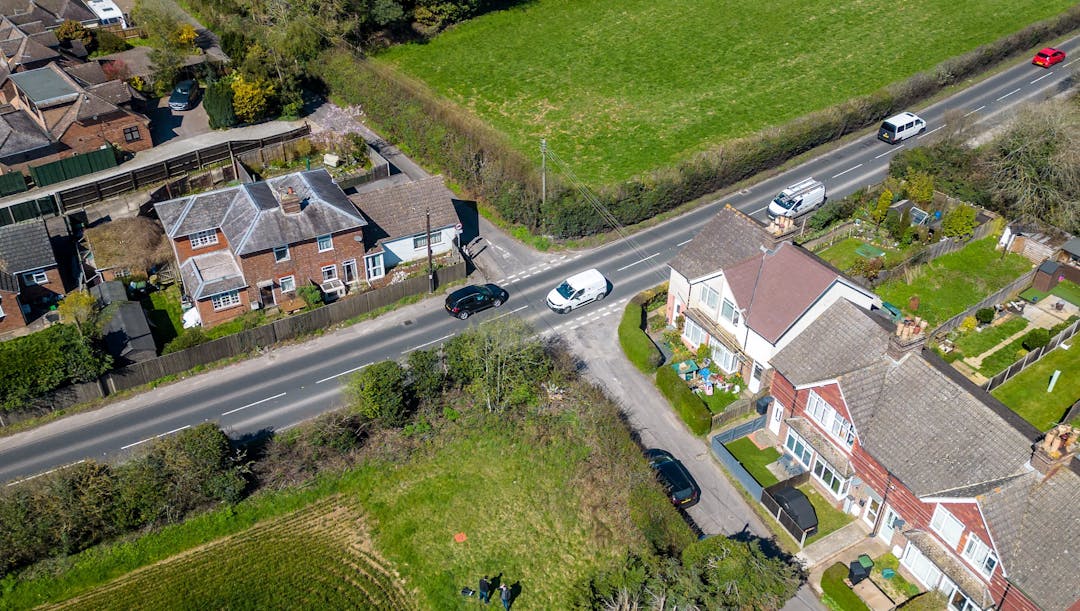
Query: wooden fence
{"points": [[1000, 296], [1032, 357], [738, 409], [931, 252], [277, 331]]}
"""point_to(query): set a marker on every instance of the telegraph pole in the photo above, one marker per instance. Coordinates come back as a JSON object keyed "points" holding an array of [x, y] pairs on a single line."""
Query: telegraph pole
{"points": [[543, 171], [430, 266]]}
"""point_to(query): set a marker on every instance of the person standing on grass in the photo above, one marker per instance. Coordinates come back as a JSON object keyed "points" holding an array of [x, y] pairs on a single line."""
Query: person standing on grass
{"points": [[505, 596], [485, 590]]}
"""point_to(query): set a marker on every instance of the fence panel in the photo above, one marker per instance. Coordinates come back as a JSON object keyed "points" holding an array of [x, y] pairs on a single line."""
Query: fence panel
{"points": [[743, 429], [736, 468], [1032, 357], [999, 296]]}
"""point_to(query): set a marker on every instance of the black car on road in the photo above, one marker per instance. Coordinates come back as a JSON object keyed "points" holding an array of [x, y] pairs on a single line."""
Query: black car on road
{"points": [[680, 485], [184, 95], [469, 300]]}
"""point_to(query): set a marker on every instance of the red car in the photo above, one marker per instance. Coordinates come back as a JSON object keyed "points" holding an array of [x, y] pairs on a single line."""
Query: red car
{"points": [[1048, 57]]}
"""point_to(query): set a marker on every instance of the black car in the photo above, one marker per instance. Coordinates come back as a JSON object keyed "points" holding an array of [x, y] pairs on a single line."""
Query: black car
{"points": [[680, 485], [183, 97], [799, 508], [467, 301]]}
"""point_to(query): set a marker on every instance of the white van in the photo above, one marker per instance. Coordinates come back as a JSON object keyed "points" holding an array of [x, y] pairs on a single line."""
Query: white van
{"points": [[798, 199], [901, 127], [577, 290]]}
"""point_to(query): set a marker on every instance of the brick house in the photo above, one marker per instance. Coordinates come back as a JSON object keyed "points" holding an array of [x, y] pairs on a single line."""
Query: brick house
{"points": [[747, 295], [29, 277], [250, 246], [931, 465]]}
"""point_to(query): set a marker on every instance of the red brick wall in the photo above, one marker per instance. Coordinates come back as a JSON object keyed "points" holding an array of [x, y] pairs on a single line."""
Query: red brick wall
{"points": [[211, 317], [84, 138], [305, 263], [184, 251], [13, 316]]}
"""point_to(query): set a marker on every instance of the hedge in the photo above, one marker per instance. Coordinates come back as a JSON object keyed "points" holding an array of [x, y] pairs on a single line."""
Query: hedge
{"points": [[636, 344], [689, 406], [837, 592], [446, 136]]}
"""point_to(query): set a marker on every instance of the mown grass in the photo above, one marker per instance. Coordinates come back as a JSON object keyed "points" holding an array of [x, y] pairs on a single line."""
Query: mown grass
{"points": [[952, 283], [830, 519], [837, 595], [842, 254], [1069, 291], [636, 345], [755, 460], [1001, 358], [164, 314], [1026, 393], [619, 88], [975, 343]]}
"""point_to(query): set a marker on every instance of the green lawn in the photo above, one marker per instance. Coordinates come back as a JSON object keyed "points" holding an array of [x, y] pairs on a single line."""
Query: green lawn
{"points": [[975, 343], [1069, 291], [842, 254], [1026, 393], [618, 88], [952, 283], [1001, 358], [830, 519], [164, 313], [718, 401], [837, 595], [754, 459]]}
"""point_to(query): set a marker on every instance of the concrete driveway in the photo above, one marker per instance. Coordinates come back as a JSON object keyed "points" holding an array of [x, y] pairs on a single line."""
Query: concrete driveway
{"points": [[166, 124]]}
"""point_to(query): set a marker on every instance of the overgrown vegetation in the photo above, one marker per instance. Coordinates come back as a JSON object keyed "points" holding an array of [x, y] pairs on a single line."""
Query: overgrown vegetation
{"points": [[636, 344], [686, 404]]}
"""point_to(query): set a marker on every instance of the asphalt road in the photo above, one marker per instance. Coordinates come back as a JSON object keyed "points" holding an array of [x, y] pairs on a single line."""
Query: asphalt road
{"points": [[290, 385]]}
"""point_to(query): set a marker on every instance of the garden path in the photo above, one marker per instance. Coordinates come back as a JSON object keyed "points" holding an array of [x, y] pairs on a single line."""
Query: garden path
{"points": [[976, 362]]}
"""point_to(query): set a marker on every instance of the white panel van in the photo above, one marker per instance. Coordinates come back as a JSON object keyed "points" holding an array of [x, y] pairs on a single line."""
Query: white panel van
{"points": [[578, 290], [900, 127], [798, 199]]}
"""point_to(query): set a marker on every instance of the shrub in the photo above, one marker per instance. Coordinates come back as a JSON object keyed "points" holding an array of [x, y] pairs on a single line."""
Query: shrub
{"points": [[969, 323], [882, 209], [984, 316], [107, 43], [920, 187], [958, 222], [311, 295], [834, 588], [688, 405], [426, 375], [188, 338], [867, 268], [219, 105], [378, 393], [636, 345], [1035, 339], [35, 364], [836, 210]]}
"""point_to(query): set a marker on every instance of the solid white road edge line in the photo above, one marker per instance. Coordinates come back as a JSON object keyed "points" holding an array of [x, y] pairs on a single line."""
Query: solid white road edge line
{"points": [[233, 411], [26, 479], [132, 445]]}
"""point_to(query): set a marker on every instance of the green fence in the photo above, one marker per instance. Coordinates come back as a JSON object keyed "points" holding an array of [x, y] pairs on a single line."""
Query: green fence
{"points": [[72, 167], [11, 183], [35, 208]]}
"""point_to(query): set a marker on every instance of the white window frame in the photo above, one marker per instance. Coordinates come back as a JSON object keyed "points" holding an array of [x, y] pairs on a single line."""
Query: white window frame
{"points": [[791, 444], [691, 330], [199, 239], [420, 241], [228, 299], [2, 310], [830, 420], [278, 258], [834, 483], [329, 241], [980, 555], [332, 269], [710, 297], [36, 277], [370, 266], [726, 359], [287, 280], [945, 524], [729, 312]]}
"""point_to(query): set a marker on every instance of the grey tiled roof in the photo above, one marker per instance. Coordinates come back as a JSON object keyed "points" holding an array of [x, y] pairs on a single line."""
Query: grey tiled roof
{"points": [[25, 247], [87, 74], [127, 334], [251, 218], [728, 238], [20, 134], [8, 283], [1034, 522], [854, 341], [1072, 247], [211, 273], [398, 211]]}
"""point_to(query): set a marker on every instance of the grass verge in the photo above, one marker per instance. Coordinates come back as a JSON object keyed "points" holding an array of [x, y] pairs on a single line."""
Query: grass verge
{"points": [[687, 405], [1026, 393]]}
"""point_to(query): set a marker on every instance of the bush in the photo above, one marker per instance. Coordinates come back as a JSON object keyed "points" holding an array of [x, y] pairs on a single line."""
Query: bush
{"points": [[968, 324], [958, 222], [105, 42], [920, 187], [688, 405], [1035, 339], [836, 210], [837, 592], [984, 316], [377, 393], [188, 338], [882, 209], [219, 105], [636, 345], [311, 295], [426, 375], [35, 364]]}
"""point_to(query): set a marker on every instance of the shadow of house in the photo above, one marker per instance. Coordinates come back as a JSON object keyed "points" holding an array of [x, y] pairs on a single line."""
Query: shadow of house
{"points": [[126, 332]]}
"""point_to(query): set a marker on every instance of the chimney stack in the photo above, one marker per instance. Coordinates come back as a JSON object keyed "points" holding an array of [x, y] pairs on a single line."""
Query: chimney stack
{"points": [[780, 226], [910, 336], [1056, 449], [290, 201]]}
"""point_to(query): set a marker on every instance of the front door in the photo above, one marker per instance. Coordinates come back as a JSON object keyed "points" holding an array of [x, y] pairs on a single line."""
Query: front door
{"points": [[266, 295], [873, 507], [886, 532], [777, 418], [755, 377], [349, 269]]}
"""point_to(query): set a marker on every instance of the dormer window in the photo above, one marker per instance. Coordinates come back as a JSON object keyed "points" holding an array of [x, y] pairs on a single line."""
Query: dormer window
{"points": [[200, 239]]}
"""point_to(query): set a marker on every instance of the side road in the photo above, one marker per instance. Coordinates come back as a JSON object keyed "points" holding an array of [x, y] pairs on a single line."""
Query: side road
{"points": [[722, 510]]}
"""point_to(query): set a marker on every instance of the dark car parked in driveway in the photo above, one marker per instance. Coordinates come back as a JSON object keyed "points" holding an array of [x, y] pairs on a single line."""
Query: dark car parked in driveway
{"points": [[795, 503], [471, 299], [680, 485], [184, 95]]}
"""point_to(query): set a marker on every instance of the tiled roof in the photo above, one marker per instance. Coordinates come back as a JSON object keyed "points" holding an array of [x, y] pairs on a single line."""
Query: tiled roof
{"points": [[776, 288], [251, 217], [1072, 247], [854, 342], [399, 210], [20, 134], [127, 334], [728, 238], [9, 283], [211, 273], [25, 247], [1034, 521], [87, 74], [50, 12]]}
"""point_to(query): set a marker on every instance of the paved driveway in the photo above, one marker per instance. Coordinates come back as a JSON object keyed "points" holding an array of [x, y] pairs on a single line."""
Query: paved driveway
{"points": [[166, 124]]}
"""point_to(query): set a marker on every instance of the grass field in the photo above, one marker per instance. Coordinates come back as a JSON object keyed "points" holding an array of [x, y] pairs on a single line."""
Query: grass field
{"points": [[950, 284], [754, 459], [1026, 393], [619, 88]]}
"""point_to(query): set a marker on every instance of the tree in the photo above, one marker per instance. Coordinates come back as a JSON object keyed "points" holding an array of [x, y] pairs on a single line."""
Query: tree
{"points": [[73, 30], [184, 35], [500, 363], [426, 374], [165, 64], [377, 393], [80, 308], [920, 187], [984, 316], [219, 105], [882, 209], [958, 222], [251, 99]]}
